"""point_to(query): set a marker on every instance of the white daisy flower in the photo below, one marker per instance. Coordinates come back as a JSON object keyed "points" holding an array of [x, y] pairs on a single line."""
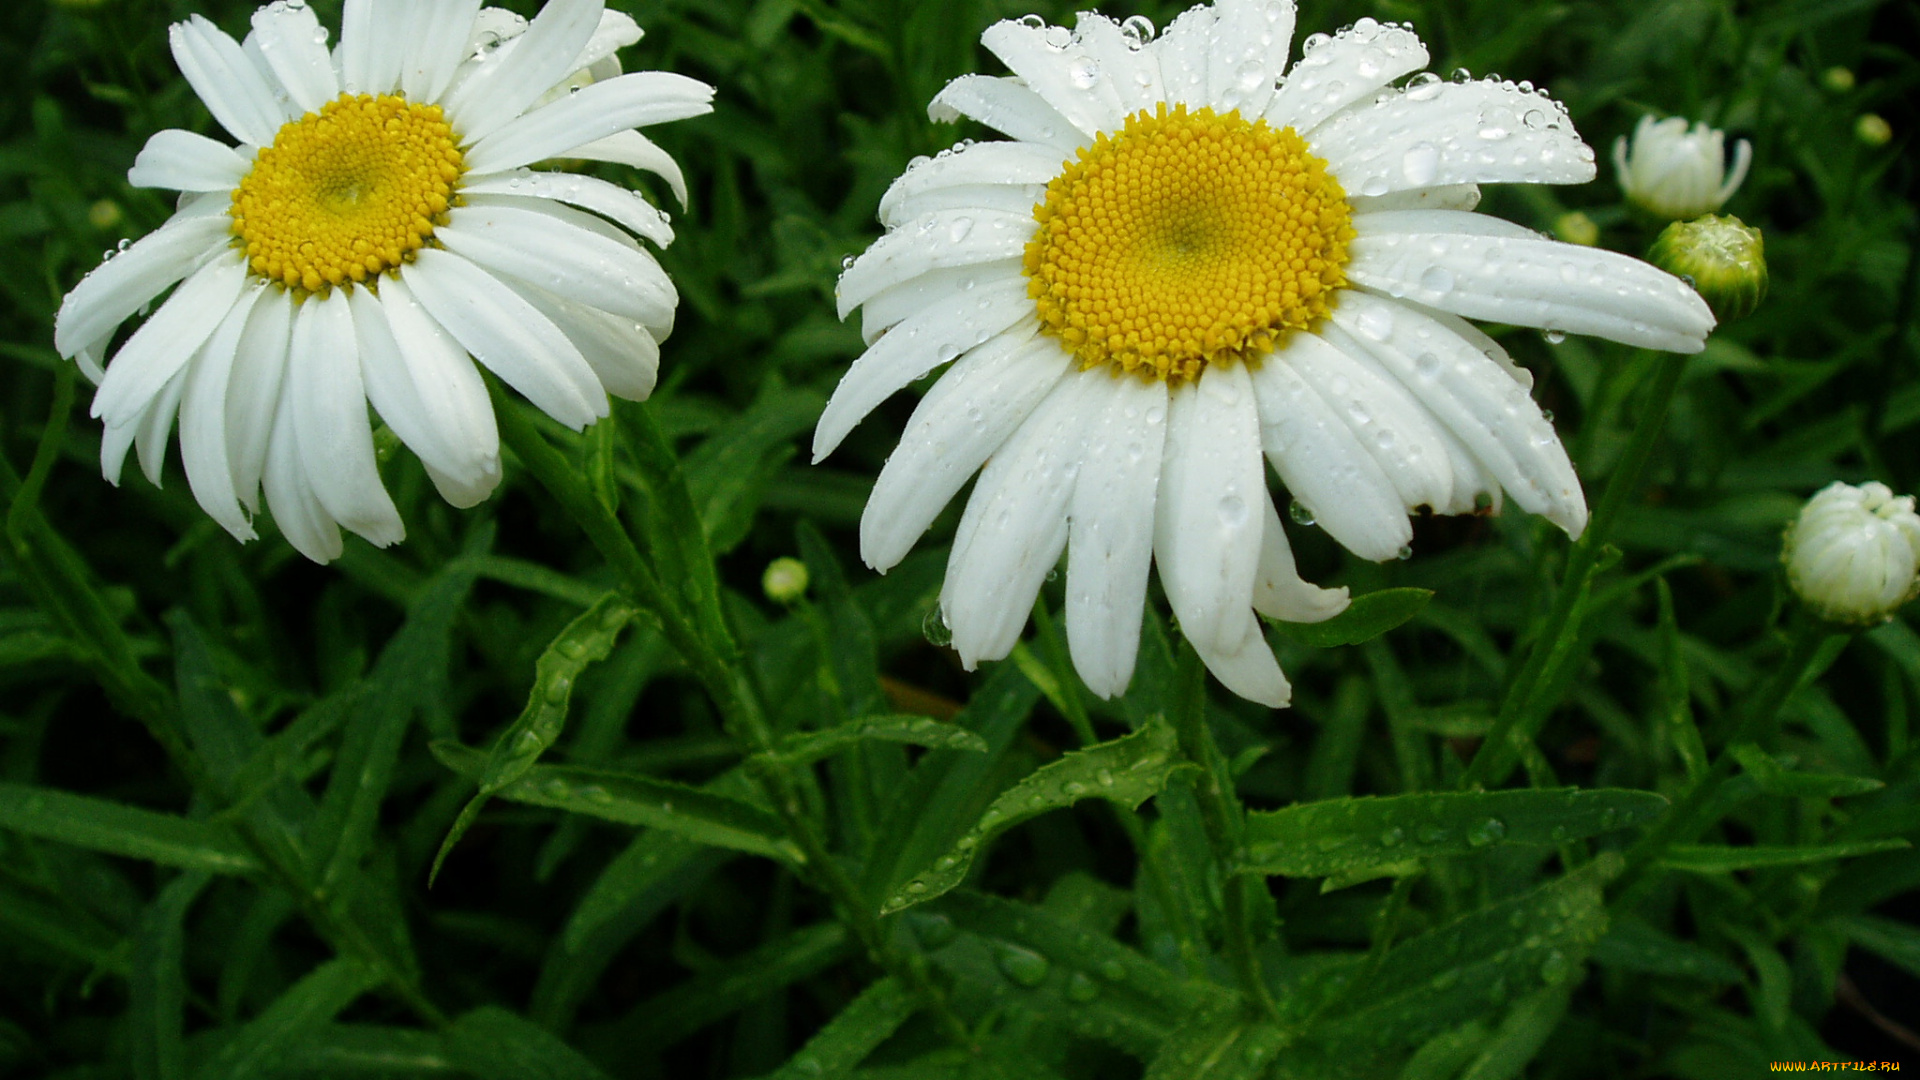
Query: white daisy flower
{"points": [[1180, 259], [375, 232]]}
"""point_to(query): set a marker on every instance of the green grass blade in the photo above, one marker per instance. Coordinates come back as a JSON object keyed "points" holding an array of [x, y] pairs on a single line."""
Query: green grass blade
{"points": [[853, 1033], [257, 1048], [674, 1014], [118, 829], [491, 1043], [156, 994], [1719, 859]]}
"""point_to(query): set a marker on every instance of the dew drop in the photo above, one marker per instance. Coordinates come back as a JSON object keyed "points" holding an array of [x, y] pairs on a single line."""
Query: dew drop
{"points": [[1490, 831], [1138, 30], [1058, 38], [1375, 323], [1392, 838], [1084, 73], [1081, 989], [1424, 87], [1113, 971], [1555, 337], [935, 629], [1437, 279], [1298, 511], [1023, 967], [1233, 511]]}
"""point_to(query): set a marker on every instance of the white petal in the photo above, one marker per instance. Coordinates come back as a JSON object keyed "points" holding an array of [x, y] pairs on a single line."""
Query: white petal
{"points": [[1018, 163], [296, 510], [616, 31], [594, 112], [227, 81], [1278, 591], [1477, 400], [1005, 199], [163, 343], [1207, 528], [329, 401], [294, 46], [964, 418], [183, 161], [132, 278], [91, 359], [1324, 466], [494, 95], [1453, 133], [1130, 69], [1250, 42], [1438, 197], [115, 441], [942, 239], [1015, 525], [623, 354], [1350, 66], [545, 249], [1006, 106], [371, 43], [1060, 69], [1182, 49], [881, 312], [608, 200], [434, 45], [1531, 282], [1434, 219], [634, 149], [1110, 527], [427, 390], [506, 334], [1385, 417], [155, 424], [253, 393], [913, 348], [203, 419]]}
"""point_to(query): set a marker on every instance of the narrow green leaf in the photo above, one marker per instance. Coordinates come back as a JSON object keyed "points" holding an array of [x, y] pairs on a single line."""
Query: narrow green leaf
{"points": [[1227, 1044], [1366, 618], [268, 1038], [157, 992], [1475, 965], [851, 1035], [729, 473], [118, 829], [337, 1050], [1895, 942], [1776, 779], [809, 747], [675, 523], [1128, 770], [672, 1015], [1340, 836], [64, 928], [493, 1044], [1718, 859], [584, 641], [1676, 690], [631, 799], [1633, 945], [1443, 1056], [1521, 1035]]}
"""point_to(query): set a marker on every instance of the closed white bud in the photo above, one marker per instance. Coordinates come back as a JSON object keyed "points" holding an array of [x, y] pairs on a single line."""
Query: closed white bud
{"points": [[1853, 554], [1675, 173]]}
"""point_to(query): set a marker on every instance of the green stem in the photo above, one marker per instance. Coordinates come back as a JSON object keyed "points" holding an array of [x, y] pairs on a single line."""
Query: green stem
{"points": [[1220, 815], [1757, 719], [707, 646], [1526, 703]]}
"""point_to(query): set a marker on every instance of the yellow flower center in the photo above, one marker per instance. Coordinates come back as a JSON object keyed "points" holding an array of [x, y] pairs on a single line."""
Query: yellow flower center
{"points": [[1187, 239], [348, 192]]}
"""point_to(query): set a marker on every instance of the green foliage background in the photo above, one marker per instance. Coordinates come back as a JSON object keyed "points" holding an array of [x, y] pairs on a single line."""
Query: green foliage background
{"points": [[225, 772]]}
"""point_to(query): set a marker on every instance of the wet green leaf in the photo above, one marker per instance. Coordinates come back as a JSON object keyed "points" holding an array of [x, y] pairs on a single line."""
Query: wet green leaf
{"points": [[118, 829], [1366, 618]]}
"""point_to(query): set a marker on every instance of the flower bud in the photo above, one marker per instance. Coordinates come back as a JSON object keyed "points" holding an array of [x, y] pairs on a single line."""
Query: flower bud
{"points": [[1724, 260], [1837, 79], [1576, 228], [785, 581], [1675, 173], [1853, 553], [1873, 129]]}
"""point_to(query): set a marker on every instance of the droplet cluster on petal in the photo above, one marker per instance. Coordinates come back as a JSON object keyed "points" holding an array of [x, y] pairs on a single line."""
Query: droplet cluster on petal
{"points": [[1187, 239], [348, 192]]}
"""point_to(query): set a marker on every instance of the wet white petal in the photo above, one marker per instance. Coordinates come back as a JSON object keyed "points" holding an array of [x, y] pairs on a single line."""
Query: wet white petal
{"points": [[296, 509], [183, 161], [227, 81], [434, 45], [623, 354], [1438, 197], [132, 278], [592, 113], [155, 424], [1207, 531], [964, 418], [330, 423], [494, 95], [371, 43], [1008, 107], [1453, 133], [203, 419], [1183, 52], [1110, 526], [294, 47], [1350, 66], [253, 392], [1131, 70], [1058, 68], [981, 164], [949, 286], [1250, 41], [157, 351], [608, 200], [943, 239], [1278, 590], [634, 149], [545, 250], [1387, 421]]}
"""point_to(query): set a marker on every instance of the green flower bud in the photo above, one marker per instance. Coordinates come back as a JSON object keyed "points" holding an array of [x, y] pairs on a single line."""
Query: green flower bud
{"points": [[1837, 79], [785, 581], [1853, 555], [1723, 259], [1873, 130], [1576, 228]]}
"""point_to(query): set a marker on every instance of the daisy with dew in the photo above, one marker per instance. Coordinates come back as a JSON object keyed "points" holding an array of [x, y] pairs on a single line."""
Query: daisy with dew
{"points": [[376, 231], [1186, 254]]}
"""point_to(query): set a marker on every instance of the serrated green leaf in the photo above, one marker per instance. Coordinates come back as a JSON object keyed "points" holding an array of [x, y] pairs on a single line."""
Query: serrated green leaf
{"points": [[1343, 836], [1128, 770], [584, 641], [118, 829], [1474, 965], [266, 1039], [491, 1043], [1776, 779], [1632, 945], [632, 799], [853, 1033], [1721, 859], [1366, 618], [809, 747], [1229, 1043]]}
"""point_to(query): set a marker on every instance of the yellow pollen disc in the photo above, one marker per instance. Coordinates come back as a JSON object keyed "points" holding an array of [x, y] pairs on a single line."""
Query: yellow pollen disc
{"points": [[348, 192], [1187, 239]]}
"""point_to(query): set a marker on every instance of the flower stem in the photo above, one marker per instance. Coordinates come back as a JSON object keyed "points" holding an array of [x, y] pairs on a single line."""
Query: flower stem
{"points": [[1220, 815], [1527, 701]]}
